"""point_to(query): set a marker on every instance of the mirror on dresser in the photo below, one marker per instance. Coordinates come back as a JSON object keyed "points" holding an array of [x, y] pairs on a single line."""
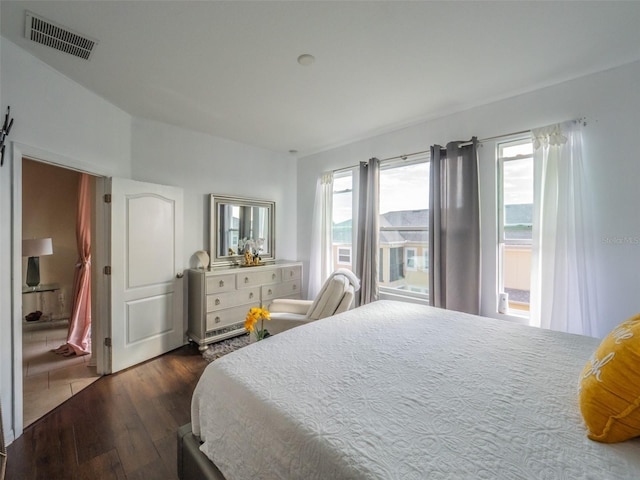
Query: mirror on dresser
{"points": [[238, 223]]}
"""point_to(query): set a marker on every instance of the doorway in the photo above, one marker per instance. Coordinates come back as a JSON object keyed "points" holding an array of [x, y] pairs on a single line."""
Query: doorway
{"points": [[118, 205], [49, 211]]}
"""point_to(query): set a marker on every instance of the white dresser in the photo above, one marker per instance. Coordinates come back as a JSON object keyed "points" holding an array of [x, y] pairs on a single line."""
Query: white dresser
{"points": [[220, 298]]}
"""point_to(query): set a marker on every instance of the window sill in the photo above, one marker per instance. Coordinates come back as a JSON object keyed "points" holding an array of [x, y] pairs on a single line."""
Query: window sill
{"points": [[408, 297]]}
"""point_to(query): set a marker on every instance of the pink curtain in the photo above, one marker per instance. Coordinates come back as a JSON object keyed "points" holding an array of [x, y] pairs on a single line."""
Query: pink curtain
{"points": [[79, 336]]}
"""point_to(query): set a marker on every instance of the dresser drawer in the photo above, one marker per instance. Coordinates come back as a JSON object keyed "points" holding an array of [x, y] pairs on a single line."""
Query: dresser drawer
{"points": [[222, 318], [220, 301], [286, 289], [220, 283], [258, 277], [291, 273]]}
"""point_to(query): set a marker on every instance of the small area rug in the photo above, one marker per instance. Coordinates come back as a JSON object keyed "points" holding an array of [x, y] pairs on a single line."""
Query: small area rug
{"points": [[219, 349]]}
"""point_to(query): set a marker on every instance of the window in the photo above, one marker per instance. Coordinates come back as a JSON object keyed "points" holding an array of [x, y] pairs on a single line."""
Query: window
{"points": [[404, 226], [410, 258], [403, 258], [395, 265], [344, 255], [341, 220], [515, 221]]}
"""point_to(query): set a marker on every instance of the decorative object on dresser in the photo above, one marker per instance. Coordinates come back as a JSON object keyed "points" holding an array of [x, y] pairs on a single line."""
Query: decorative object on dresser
{"points": [[203, 259], [242, 231], [220, 298]]}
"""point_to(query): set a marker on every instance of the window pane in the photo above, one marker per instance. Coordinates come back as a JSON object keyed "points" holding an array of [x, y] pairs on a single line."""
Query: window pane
{"points": [[404, 188], [518, 199], [344, 256], [404, 224], [508, 151], [517, 222], [395, 265], [341, 220]]}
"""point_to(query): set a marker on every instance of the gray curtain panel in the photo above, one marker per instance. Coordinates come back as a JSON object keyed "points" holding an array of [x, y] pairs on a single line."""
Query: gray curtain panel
{"points": [[367, 232], [454, 227]]}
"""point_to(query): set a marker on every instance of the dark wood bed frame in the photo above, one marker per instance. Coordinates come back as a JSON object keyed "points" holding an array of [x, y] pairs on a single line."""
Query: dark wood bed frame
{"points": [[192, 463]]}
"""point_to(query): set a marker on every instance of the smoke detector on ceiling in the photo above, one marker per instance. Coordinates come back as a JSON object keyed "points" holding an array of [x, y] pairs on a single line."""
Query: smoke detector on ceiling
{"points": [[47, 33]]}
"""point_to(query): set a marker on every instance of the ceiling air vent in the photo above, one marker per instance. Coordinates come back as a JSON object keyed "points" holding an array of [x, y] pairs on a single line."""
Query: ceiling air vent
{"points": [[48, 33]]}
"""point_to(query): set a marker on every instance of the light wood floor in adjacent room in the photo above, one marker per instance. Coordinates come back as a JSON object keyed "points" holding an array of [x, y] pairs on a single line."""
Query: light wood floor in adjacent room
{"points": [[122, 426], [48, 378]]}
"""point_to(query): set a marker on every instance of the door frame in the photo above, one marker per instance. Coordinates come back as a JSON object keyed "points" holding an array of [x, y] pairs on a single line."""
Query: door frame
{"points": [[101, 244]]}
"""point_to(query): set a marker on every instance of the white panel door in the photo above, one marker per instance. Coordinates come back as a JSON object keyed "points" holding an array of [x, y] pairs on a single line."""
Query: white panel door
{"points": [[146, 271]]}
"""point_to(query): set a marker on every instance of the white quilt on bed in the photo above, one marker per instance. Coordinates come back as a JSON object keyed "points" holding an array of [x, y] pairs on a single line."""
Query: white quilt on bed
{"points": [[400, 391]]}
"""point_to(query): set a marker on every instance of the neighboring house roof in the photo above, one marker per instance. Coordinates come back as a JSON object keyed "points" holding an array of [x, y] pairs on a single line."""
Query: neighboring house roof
{"points": [[514, 214], [518, 213], [342, 232], [406, 218]]}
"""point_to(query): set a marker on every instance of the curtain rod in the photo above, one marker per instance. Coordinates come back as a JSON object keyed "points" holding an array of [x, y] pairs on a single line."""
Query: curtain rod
{"points": [[407, 155]]}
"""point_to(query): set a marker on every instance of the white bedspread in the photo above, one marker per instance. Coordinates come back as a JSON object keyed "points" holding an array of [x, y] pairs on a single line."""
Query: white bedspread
{"points": [[400, 391]]}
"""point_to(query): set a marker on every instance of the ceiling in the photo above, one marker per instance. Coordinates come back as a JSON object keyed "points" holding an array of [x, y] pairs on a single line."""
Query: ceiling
{"points": [[229, 68]]}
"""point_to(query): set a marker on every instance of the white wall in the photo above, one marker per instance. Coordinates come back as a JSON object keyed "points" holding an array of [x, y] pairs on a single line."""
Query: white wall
{"points": [[58, 119], [611, 102], [202, 164], [57, 115]]}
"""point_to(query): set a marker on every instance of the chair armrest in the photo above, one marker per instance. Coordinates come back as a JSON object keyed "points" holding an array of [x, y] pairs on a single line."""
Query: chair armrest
{"points": [[287, 305]]}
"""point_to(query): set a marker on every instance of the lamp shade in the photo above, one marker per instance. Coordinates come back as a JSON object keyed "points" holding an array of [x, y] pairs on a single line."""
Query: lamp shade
{"points": [[36, 247]]}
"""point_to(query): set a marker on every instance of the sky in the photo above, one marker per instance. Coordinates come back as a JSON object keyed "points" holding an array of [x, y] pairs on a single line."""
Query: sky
{"points": [[403, 188], [407, 188]]}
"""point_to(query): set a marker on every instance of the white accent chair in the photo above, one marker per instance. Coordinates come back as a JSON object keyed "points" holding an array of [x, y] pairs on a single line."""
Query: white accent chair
{"points": [[336, 295]]}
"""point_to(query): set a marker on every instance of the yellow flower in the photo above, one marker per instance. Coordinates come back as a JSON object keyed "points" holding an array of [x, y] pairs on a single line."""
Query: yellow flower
{"points": [[248, 324], [253, 316]]}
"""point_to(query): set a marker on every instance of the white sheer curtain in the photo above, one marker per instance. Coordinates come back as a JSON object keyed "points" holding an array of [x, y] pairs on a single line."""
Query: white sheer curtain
{"points": [[563, 270], [320, 265]]}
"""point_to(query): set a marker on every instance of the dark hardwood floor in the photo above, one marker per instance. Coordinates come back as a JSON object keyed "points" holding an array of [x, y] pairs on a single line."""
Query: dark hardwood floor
{"points": [[123, 426]]}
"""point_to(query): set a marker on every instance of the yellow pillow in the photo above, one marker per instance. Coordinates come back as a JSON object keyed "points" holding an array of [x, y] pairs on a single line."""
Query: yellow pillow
{"points": [[610, 386]]}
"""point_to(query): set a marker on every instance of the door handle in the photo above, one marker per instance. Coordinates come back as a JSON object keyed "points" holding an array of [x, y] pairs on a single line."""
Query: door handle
{"points": [[180, 275]]}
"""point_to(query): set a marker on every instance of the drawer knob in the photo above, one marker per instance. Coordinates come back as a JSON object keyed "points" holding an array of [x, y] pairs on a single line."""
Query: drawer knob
{"points": [[251, 295], [222, 283], [217, 320], [291, 273], [295, 287], [269, 292], [246, 279], [273, 276], [217, 301]]}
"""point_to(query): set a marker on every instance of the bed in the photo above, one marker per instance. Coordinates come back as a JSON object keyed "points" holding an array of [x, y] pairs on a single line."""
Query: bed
{"points": [[394, 390]]}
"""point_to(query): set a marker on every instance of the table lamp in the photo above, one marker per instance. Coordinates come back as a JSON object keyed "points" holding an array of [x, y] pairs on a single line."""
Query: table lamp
{"points": [[34, 249]]}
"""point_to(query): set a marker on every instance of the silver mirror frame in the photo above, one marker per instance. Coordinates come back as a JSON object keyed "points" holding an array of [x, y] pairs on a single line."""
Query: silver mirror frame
{"points": [[214, 228]]}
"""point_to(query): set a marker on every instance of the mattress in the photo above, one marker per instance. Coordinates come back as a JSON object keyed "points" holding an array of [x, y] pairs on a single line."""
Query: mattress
{"points": [[393, 390]]}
